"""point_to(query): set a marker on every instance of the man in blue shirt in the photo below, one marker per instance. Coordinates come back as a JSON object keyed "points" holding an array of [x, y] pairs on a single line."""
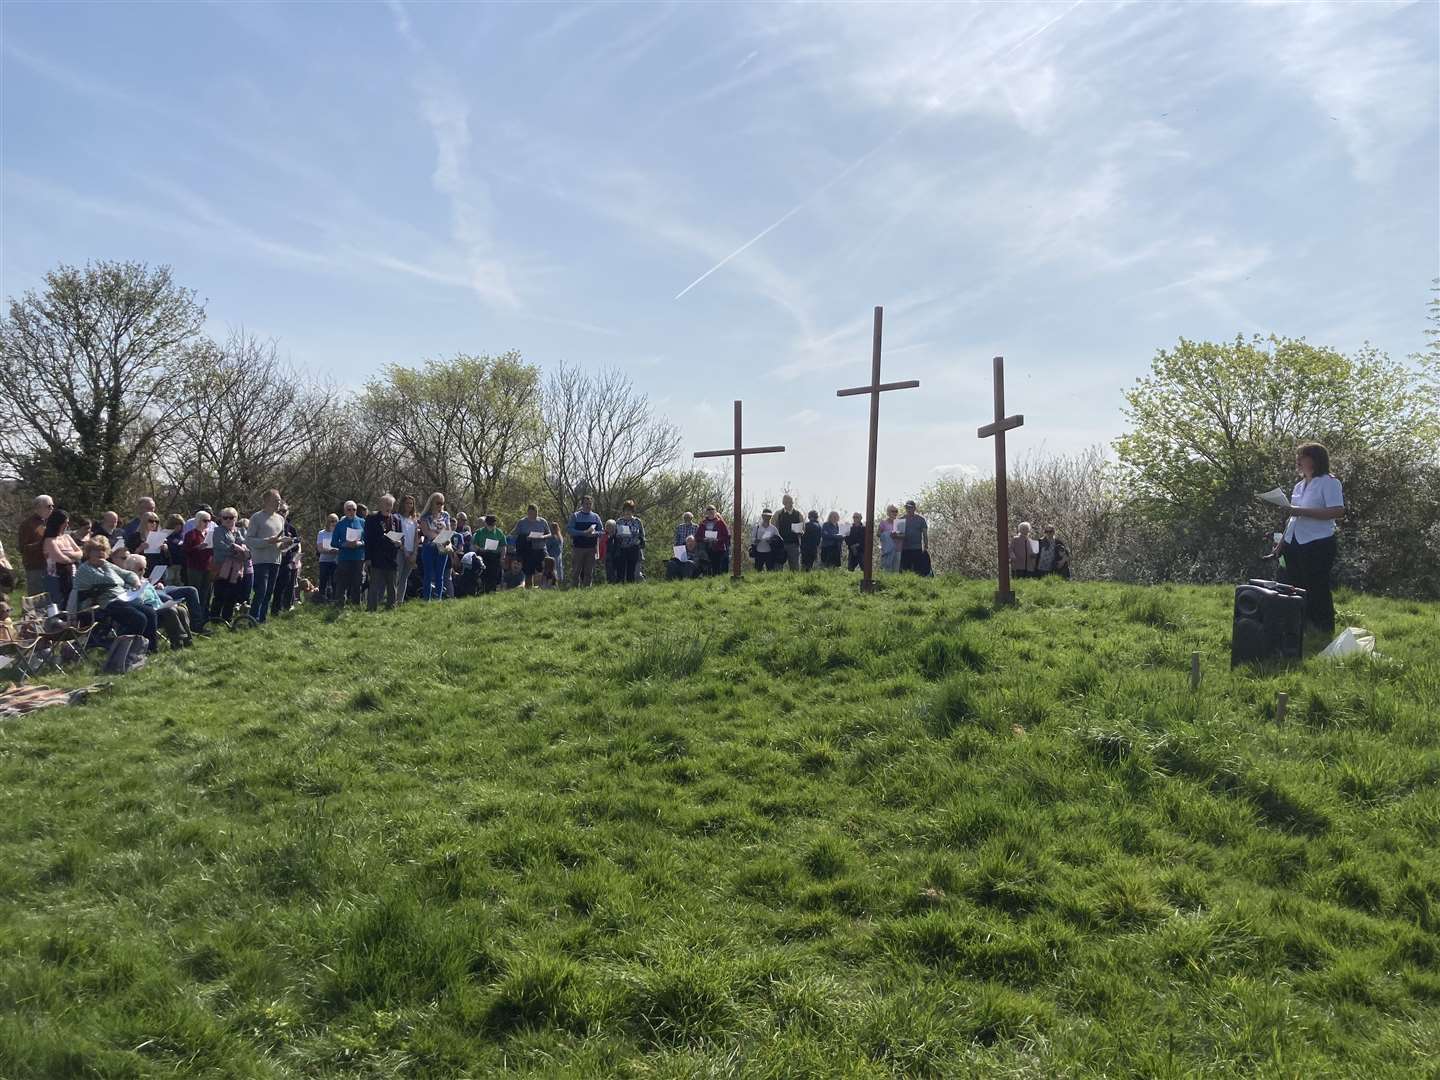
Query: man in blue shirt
{"points": [[584, 529], [349, 540]]}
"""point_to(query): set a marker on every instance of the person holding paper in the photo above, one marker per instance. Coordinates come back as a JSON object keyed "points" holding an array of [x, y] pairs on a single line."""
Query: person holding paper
{"points": [[382, 552], [149, 541], [686, 529], [810, 542], [831, 541], [531, 534], [130, 534], [764, 539], [629, 544], [1309, 544], [267, 541], [100, 582], [715, 539], [172, 551], [1024, 552], [326, 553], [172, 614], [855, 540], [410, 546], [489, 545], [913, 533], [350, 559], [790, 524], [686, 562], [889, 540], [197, 554], [435, 533], [584, 528]]}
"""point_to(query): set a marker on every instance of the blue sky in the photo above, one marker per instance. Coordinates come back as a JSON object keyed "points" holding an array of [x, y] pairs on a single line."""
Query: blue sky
{"points": [[1071, 185]]}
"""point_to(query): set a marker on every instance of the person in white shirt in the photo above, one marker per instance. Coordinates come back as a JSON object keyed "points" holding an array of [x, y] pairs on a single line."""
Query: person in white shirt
{"points": [[1308, 544], [764, 540], [328, 552]]}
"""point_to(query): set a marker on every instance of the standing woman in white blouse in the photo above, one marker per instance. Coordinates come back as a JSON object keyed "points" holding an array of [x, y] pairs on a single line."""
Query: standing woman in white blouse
{"points": [[1309, 544]]}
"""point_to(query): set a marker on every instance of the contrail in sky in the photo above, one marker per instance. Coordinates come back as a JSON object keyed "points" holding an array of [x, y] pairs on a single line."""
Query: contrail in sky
{"points": [[863, 158]]}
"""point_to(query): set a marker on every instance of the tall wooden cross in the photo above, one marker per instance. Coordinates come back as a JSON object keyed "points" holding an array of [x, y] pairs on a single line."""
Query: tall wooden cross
{"points": [[875, 389], [738, 451], [1001, 425]]}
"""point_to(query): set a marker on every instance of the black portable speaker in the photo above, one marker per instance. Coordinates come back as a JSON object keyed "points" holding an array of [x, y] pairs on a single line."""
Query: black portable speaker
{"points": [[1269, 621]]}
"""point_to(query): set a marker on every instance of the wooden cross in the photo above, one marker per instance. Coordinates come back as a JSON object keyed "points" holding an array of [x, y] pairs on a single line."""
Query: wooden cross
{"points": [[737, 452], [875, 389], [1001, 425]]}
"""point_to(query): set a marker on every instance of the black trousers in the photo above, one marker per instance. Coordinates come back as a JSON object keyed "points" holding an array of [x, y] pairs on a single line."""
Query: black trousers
{"points": [[1309, 567], [626, 562]]}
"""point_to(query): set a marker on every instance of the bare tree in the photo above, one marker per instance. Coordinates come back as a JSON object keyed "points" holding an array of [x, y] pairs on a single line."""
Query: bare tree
{"points": [[252, 422], [91, 369], [603, 439]]}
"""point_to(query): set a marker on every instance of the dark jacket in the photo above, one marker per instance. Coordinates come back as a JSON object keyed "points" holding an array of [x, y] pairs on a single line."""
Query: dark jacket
{"points": [[810, 539], [379, 548]]}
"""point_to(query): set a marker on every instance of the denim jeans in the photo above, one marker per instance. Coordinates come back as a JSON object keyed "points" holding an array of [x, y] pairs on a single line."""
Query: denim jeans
{"points": [[133, 617], [434, 563], [265, 575]]}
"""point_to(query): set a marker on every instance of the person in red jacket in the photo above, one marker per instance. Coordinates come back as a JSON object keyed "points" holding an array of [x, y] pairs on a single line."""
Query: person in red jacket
{"points": [[714, 537], [198, 550]]}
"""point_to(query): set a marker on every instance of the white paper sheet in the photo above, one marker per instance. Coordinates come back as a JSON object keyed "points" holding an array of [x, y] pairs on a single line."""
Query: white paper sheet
{"points": [[1034, 547], [681, 553], [844, 528], [156, 540], [539, 536], [1275, 497], [443, 537], [395, 537], [156, 573], [711, 534], [797, 527], [491, 544], [622, 530], [132, 595], [354, 535]]}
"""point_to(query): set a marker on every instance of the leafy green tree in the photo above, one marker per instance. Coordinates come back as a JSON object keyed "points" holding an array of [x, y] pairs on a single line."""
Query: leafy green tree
{"points": [[463, 426], [91, 366]]}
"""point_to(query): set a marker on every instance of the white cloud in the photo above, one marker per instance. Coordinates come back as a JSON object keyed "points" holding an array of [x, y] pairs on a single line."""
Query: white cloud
{"points": [[446, 112]]}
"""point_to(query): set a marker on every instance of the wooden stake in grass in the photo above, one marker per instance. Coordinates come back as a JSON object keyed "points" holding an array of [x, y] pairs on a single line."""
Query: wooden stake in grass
{"points": [[875, 389], [737, 452], [1001, 424], [1280, 704], [1194, 671]]}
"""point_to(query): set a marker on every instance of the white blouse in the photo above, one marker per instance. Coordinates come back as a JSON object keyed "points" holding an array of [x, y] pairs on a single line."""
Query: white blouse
{"points": [[1316, 493]]}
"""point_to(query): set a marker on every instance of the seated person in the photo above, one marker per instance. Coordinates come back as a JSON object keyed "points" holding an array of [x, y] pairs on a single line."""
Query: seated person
{"points": [[467, 577], [7, 625], [688, 566], [512, 575], [547, 578]]}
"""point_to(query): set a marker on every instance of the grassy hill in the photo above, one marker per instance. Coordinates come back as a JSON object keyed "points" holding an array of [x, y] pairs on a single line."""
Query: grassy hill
{"points": [[704, 830]]}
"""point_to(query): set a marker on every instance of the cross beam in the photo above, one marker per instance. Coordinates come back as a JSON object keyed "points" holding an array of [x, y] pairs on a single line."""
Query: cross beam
{"points": [[997, 429], [738, 451], [875, 389]]}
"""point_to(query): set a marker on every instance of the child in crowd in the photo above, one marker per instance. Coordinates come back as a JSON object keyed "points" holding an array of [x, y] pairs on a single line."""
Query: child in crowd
{"points": [[549, 579]]}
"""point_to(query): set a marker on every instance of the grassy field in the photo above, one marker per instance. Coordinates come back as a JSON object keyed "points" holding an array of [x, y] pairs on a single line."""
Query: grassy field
{"points": [[705, 830]]}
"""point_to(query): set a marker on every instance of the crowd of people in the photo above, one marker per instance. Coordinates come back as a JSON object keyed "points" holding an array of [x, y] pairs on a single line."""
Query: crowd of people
{"points": [[176, 575]]}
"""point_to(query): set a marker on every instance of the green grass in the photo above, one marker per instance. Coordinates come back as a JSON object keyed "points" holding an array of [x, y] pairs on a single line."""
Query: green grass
{"points": [[777, 829]]}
